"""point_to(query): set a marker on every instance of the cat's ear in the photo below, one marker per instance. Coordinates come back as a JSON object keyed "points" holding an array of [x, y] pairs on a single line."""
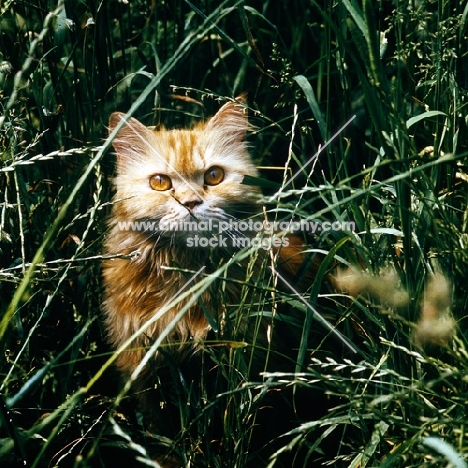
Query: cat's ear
{"points": [[231, 119], [132, 138]]}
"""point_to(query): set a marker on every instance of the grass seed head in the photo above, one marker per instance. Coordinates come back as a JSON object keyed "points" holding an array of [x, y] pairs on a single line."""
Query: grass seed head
{"points": [[384, 287], [435, 326]]}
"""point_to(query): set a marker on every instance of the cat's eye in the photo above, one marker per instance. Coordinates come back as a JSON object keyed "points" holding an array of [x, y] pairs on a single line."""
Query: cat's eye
{"points": [[160, 182], [214, 175]]}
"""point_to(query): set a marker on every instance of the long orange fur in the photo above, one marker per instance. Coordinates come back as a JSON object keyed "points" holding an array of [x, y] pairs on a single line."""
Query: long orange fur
{"points": [[137, 288]]}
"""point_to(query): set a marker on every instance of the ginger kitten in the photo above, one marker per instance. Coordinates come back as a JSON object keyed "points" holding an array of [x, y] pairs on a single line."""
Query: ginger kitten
{"points": [[167, 178]]}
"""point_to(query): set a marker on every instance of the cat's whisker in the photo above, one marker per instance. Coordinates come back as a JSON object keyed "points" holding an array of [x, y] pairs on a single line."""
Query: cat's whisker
{"points": [[233, 236], [236, 234], [229, 216], [172, 239], [141, 243], [157, 234]]}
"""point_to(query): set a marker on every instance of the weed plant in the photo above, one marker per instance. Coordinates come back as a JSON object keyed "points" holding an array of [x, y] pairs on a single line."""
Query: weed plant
{"points": [[364, 101]]}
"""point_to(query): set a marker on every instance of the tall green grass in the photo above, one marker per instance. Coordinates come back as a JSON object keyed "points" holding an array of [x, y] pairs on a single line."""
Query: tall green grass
{"points": [[398, 170]]}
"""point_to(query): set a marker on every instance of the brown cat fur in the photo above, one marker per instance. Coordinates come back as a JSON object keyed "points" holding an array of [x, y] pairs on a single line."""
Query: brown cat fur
{"points": [[136, 289], [148, 269]]}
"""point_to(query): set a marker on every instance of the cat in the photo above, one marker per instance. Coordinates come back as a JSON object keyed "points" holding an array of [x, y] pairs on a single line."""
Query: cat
{"points": [[166, 179]]}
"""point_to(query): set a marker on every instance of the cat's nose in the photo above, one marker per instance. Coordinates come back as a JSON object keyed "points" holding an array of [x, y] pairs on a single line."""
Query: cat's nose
{"points": [[191, 204]]}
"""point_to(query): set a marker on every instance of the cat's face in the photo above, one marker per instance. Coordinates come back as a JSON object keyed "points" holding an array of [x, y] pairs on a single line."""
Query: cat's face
{"points": [[174, 176]]}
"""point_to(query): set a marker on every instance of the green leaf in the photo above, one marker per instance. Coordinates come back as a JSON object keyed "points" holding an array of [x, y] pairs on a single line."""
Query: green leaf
{"points": [[390, 231], [445, 449], [303, 82], [410, 122], [357, 15]]}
